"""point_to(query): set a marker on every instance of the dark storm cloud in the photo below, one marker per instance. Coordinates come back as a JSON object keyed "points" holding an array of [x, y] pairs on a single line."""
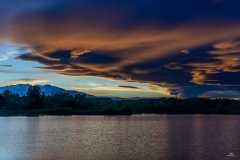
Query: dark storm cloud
{"points": [[185, 45]]}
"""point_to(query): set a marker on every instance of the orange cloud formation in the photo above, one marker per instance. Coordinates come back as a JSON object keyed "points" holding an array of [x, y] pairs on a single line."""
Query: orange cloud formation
{"points": [[225, 57], [123, 47], [130, 47]]}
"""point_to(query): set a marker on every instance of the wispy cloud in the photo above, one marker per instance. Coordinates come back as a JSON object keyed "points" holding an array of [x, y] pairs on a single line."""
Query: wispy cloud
{"points": [[5, 65], [12, 50], [124, 91], [24, 81]]}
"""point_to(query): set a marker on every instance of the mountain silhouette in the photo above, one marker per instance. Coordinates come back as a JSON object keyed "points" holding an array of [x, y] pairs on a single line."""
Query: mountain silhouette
{"points": [[48, 90]]}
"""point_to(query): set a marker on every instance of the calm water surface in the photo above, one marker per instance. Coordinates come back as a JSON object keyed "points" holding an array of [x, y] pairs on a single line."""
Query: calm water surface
{"points": [[152, 137]]}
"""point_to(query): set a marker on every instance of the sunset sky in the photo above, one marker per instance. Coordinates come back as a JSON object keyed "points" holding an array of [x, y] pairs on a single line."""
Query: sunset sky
{"points": [[126, 48]]}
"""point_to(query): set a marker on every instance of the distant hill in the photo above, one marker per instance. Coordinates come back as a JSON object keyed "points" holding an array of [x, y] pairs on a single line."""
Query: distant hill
{"points": [[48, 90]]}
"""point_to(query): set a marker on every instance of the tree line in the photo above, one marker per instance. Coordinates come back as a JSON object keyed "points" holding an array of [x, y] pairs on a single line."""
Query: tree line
{"points": [[36, 102]]}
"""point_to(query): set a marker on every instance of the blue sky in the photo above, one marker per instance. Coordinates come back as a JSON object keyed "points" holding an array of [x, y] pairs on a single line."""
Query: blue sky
{"points": [[143, 48]]}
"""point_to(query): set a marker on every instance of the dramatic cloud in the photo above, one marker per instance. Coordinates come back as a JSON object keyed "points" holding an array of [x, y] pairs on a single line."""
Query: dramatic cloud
{"points": [[173, 44], [223, 57]]}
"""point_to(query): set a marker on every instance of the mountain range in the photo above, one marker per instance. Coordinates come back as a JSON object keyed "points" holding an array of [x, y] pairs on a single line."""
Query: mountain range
{"points": [[48, 90]]}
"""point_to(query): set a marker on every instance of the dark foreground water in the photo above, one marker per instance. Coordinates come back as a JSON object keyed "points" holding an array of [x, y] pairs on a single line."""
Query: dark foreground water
{"points": [[125, 138]]}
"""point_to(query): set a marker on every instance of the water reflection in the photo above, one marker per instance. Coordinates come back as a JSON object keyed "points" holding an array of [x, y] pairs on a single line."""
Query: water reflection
{"points": [[104, 138], [203, 137]]}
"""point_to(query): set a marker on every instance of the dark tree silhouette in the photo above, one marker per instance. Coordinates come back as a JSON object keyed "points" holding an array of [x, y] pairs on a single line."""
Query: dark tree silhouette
{"points": [[34, 97], [7, 94], [2, 101]]}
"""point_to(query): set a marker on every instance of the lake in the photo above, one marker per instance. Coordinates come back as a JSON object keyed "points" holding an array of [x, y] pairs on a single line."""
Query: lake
{"points": [[142, 137]]}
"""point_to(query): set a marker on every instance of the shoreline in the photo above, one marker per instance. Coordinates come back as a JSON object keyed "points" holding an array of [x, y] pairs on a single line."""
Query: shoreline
{"points": [[25, 114]]}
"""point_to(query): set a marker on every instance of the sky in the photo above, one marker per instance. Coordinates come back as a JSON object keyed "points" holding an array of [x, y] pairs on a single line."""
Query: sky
{"points": [[138, 48]]}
